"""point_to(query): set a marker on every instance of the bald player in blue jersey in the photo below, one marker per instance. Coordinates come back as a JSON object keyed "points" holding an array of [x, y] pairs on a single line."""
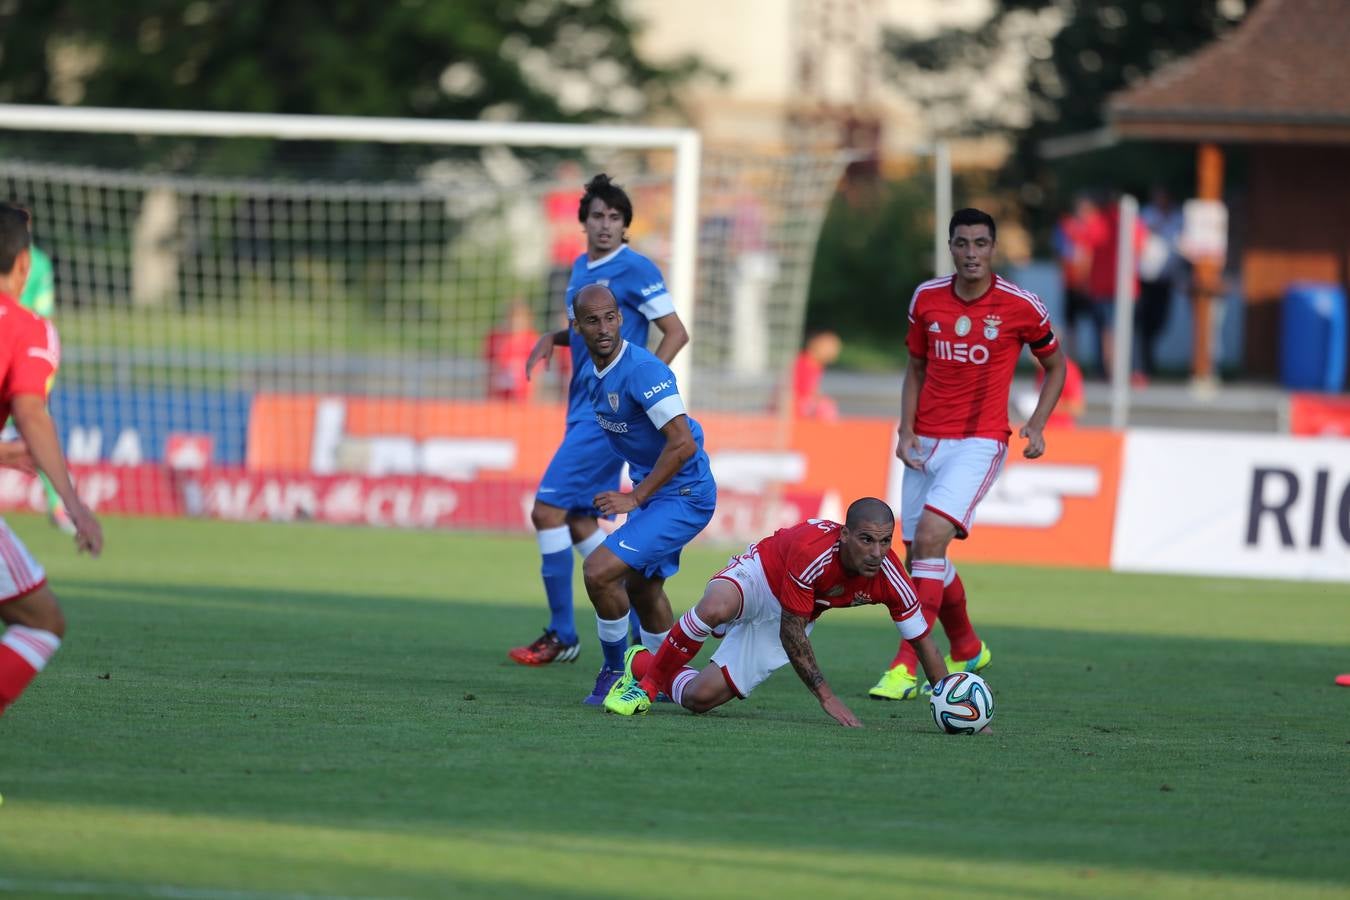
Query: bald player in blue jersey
{"points": [[564, 516], [637, 404]]}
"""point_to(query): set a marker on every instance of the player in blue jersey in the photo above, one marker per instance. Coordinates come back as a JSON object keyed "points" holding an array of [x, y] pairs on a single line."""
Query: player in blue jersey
{"points": [[564, 516], [637, 404]]}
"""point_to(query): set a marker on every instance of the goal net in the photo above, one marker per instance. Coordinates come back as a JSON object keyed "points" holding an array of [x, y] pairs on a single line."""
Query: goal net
{"points": [[262, 328]]}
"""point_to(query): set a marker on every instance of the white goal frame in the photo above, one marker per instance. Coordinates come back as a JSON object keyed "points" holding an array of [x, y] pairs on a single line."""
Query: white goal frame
{"points": [[684, 142]]}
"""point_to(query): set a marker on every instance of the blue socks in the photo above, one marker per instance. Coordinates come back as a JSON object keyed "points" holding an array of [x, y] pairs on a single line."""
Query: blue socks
{"points": [[555, 547], [613, 640]]}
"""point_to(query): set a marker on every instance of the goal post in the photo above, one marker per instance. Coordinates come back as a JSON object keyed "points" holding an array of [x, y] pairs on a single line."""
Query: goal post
{"points": [[683, 142], [319, 337]]}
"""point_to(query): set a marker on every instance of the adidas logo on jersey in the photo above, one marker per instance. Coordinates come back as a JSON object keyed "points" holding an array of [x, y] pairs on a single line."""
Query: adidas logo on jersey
{"points": [[934, 329]]}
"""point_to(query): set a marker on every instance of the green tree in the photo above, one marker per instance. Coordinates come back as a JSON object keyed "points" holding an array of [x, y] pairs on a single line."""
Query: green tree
{"points": [[874, 249], [551, 60], [522, 60], [1076, 53]]}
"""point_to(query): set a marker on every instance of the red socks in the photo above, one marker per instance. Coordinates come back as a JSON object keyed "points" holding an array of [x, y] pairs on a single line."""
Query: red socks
{"points": [[680, 646], [965, 642], [642, 665], [927, 575], [942, 596], [24, 652]]}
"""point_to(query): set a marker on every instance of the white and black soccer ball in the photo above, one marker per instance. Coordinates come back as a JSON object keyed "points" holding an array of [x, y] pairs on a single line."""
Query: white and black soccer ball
{"points": [[962, 703]]}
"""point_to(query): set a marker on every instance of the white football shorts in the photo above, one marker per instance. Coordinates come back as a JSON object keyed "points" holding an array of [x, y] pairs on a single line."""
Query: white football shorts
{"points": [[20, 574], [752, 649], [956, 474]]}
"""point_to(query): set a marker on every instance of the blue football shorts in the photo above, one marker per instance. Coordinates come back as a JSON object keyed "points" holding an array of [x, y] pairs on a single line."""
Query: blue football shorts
{"points": [[651, 539], [583, 466]]}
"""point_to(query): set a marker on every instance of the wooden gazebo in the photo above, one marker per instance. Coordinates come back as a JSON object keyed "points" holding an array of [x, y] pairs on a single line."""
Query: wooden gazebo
{"points": [[1278, 86]]}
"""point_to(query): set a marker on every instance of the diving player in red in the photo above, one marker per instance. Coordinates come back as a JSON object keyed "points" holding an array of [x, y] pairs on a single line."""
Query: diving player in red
{"points": [[29, 355], [764, 604], [966, 332]]}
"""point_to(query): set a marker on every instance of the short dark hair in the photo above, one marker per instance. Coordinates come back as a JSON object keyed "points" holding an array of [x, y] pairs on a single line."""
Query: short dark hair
{"points": [[14, 235], [868, 509], [613, 196], [971, 216]]}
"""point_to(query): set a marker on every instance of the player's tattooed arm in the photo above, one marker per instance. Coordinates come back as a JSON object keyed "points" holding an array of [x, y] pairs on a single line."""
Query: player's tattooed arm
{"points": [[797, 646]]}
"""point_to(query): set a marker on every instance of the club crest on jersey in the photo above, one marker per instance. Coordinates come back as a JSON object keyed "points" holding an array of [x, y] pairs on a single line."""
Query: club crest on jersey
{"points": [[991, 324], [613, 401], [963, 326], [861, 599]]}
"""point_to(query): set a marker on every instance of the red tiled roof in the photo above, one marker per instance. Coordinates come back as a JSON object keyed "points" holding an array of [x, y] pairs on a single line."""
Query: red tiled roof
{"points": [[1283, 74]]}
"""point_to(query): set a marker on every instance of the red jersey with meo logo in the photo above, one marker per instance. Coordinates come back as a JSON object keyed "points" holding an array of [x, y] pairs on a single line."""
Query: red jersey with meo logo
{"points": [[29, 353], [972, 347], [801, 564]]}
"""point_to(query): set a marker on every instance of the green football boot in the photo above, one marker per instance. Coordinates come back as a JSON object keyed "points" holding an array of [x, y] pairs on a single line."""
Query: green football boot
{"points": [[899, 683], [982, 659]]}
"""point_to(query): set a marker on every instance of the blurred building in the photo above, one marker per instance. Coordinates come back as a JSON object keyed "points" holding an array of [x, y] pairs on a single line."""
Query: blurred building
{"points": [[1273, 96], [807, 72]]}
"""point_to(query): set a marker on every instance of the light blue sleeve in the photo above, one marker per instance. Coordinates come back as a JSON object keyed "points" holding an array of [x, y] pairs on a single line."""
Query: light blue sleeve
{"points": [[651, 286], [653, 387]]}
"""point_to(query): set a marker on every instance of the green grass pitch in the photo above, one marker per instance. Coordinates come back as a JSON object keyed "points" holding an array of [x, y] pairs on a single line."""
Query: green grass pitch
{"points": [[259, 711]]}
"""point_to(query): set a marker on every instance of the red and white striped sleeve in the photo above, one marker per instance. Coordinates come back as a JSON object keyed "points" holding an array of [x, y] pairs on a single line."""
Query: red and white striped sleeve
{"points": [[901, 599], [806, 562]]}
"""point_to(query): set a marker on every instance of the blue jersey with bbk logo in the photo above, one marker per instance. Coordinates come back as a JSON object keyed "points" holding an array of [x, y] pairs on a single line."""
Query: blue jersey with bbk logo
{"points": [[640, 290], [633, 399]]}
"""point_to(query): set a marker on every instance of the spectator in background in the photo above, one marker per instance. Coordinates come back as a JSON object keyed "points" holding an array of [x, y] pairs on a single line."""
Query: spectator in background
{"points": [[1072, 400], [1160, 268], [820, 349], [1102, 280], [1075, 235], [567, 239], [506, 349]]}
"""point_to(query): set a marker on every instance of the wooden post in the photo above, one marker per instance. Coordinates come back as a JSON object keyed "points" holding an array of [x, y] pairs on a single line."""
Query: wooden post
{"points": [[1208, 274]]}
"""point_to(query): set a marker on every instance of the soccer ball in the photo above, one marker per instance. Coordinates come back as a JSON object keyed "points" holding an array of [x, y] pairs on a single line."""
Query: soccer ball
{"points": [[962, 703]]}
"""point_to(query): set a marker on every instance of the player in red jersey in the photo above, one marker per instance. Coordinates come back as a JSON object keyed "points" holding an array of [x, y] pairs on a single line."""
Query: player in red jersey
{"points": [[966, 332], [29, 354], [768, 598]]}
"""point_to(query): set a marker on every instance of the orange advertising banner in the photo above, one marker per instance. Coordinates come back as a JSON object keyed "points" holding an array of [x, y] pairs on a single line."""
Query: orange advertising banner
{"points": [[302, 433], [1058, 510]]}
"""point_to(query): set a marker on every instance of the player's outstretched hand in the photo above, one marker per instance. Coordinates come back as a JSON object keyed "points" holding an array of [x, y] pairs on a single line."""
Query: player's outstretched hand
{"points": [[88, 533], [14, 455], [543, 351], [1035, 441], [907, 449], [612, 503], [836, 710]]}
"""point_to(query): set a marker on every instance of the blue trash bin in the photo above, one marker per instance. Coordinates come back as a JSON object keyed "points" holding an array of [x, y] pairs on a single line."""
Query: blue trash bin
{"points": [[1312, 337]]}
